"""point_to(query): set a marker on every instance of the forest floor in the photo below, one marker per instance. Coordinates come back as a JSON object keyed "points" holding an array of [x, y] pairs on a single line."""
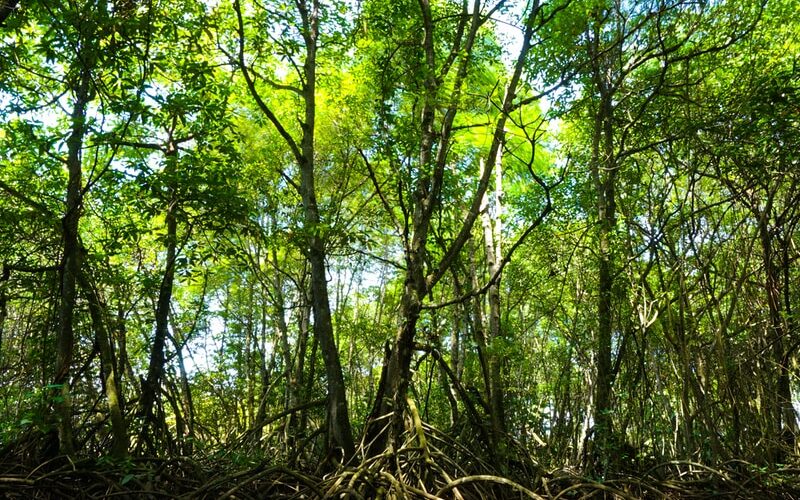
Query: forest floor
{"points": [[434, 468], [193, 478]]}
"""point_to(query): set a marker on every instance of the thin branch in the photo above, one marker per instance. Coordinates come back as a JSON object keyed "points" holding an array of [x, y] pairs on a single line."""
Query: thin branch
{"points": [[25, 199], [251, 86], [386, 261], [379, 191], [499, 134], [276, 85], [506, 259]]}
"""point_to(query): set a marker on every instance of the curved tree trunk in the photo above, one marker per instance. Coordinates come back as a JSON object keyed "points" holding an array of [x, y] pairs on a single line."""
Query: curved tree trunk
{"points": [[150, 402]]}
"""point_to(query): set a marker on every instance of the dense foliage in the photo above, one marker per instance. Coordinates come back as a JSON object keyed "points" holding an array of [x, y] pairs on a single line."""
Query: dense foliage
{"points": [[405, 248]]}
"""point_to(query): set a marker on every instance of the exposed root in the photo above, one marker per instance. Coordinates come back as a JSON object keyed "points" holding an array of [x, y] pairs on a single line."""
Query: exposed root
{"points": [[430, 464]]}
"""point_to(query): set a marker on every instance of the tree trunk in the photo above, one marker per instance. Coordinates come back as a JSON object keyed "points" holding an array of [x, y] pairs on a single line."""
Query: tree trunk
{"points": [[151, 411], [434, 143], [340, 433], [71, 263], [478, 329], [603, 170], [390, 399], [784, 387], [109, 379], [784, 418], [492, 237], [338, 420], [187, 400], [249, 360], [4, 278]]}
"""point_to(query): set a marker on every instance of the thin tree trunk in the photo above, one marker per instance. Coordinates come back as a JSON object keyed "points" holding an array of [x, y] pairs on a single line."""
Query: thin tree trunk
{"points": [[249, 341], [340, 433], [264, 378], [460, 321], [121, 341], [4, 278], [110, 380], [151, 389], [785, 389], [338, 421], [186, 397], [432, 160], [71, 264], [492, 236], [312, 369], [478, 329], [603, 171], [784, 418], [283, 330], [607, 221]]}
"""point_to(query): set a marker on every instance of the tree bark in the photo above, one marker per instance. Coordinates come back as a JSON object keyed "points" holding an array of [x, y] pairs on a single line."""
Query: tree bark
{"points": [[432, 160], [150, 403], [338, 420], [340, 433], [492, 237], [4, 278], [71, 262], [110, 379]]}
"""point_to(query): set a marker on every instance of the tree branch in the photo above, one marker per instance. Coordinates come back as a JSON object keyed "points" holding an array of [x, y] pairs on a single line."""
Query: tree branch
{"points": [[251, 87]]}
